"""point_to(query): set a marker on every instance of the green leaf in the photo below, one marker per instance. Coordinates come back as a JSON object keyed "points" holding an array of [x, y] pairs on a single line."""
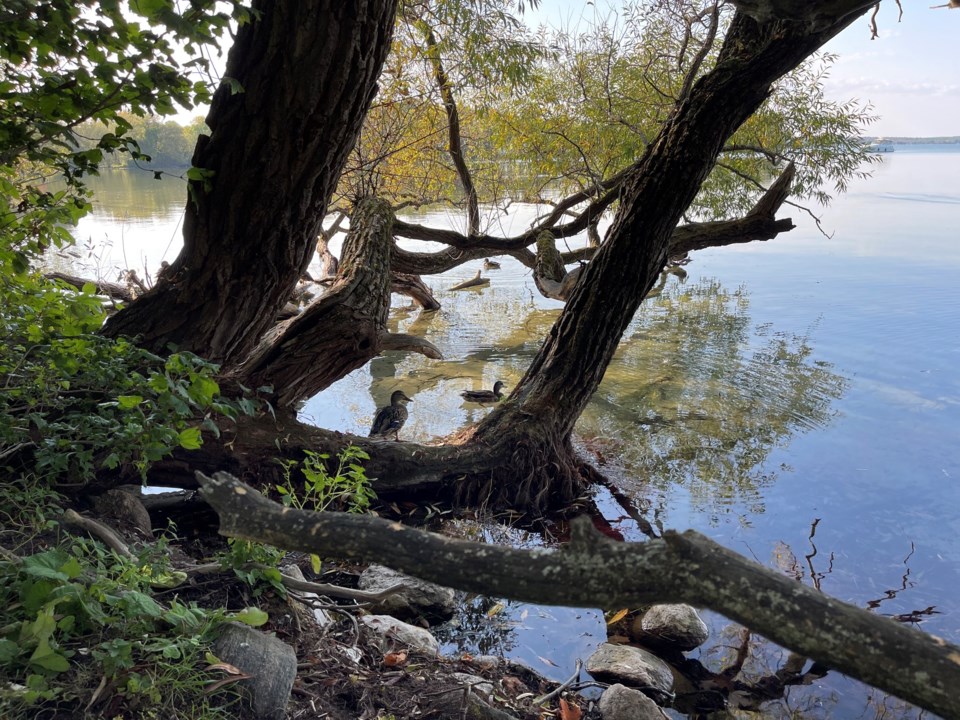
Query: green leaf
{"points": [[126, 402], [190, 439], [150, 9], [8, 651], [142, 604], [48, 564], [203, 390], [235, 87], [72, 568], [48, 658], [255, 617]]}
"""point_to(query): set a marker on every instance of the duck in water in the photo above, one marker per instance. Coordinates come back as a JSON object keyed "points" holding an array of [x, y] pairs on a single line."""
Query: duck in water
{"points": [[391, 418], [489, 264], [484, 396]]}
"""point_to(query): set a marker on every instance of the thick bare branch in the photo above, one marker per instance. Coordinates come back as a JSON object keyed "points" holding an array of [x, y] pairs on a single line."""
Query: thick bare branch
{"points": [[594, 571], [103, 287], [410, 343], [454, 139]]}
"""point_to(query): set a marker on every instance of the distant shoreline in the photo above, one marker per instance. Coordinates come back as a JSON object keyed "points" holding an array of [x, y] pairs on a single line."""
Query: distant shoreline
{"points": [[886, 140]]}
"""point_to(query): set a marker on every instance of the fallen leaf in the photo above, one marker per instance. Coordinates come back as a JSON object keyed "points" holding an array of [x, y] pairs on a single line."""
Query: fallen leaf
{"points": [[618, 616], [494, 610], [392, 659], [569, 711], [545, 661], [513, 684]]}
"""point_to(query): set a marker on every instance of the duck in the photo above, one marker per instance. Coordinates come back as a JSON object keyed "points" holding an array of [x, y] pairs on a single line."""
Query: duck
{"points": [[484, 396], [391, 418], [489, 264]]}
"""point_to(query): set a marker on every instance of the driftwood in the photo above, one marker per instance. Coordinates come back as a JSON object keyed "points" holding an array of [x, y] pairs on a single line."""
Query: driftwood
{"points": [[594, 571], [112, 290], [475, 281], [410, 343]]}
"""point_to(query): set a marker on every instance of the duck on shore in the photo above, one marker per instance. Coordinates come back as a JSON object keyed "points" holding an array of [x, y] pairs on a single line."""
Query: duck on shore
{"points": [[391, 418], [484, 396]]}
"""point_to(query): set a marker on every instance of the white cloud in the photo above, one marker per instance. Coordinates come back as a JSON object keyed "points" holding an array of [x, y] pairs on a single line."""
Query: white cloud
{"points": [[872, 85]]}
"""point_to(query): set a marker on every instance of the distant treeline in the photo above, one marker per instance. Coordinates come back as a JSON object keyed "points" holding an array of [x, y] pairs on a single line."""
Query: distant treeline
{"points": [[914, 140], [169, 144]]}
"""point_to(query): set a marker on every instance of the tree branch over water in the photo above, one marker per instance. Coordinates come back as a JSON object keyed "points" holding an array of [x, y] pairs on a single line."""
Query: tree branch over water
{"points": [[594, 571]]}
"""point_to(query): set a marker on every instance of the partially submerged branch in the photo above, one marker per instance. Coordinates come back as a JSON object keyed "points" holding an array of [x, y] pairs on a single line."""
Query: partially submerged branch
{"points": [[594, 571], [410, 343]]}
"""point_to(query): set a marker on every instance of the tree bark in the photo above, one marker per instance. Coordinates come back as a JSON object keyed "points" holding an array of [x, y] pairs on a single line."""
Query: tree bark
{"points": [[300, 80], [594, 571], [342, 330]]}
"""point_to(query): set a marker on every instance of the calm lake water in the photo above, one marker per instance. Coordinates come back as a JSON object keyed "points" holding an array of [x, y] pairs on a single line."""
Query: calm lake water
{"points": [[796, 400]]}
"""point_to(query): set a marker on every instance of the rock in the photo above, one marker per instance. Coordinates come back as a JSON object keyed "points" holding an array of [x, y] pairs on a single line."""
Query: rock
{"points": [[619, 702], [124, 506], [415, 638], [677, 627], [481, 686], [271, 664], [631, 666], [417, 598]]}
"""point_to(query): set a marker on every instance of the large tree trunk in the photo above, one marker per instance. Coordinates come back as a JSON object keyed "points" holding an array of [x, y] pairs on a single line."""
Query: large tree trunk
{"points": [[301, 78], [546, 403]]}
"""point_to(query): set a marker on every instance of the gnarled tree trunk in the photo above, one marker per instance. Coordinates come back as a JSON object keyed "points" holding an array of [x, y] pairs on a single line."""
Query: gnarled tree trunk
{"points": [[301, 78], [339, 332]]}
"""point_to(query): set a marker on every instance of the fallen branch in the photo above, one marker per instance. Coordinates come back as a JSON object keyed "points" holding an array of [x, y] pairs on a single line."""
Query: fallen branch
{"points": [[594, 571], [98, 530], [293, 583], [102, 287]]}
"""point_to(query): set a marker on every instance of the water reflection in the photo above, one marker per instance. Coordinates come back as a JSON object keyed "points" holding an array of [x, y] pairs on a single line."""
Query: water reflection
{"points": [[699, 396]]}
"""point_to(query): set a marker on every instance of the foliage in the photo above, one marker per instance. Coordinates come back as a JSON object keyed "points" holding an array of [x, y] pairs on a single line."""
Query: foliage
{"points": [[255, 564], [161, 143], [568, 109], [347, 490], [402, 153], [78, 612], [599, 100], [65, 62], [80, 402]]}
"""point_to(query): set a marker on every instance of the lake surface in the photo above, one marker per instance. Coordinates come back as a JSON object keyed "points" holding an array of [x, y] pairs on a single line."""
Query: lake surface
{"points": [[796, 400]]}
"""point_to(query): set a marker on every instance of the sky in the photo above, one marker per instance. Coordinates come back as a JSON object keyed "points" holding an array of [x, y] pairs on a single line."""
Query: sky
{"points": [[908, 74]]}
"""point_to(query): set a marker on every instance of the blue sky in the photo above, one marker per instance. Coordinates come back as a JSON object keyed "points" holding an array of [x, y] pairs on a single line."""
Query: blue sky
{"points": [[907, 74]]}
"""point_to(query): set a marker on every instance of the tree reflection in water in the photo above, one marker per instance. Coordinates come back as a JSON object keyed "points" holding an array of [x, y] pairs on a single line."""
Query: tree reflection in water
{"points": [[699, 397]]}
